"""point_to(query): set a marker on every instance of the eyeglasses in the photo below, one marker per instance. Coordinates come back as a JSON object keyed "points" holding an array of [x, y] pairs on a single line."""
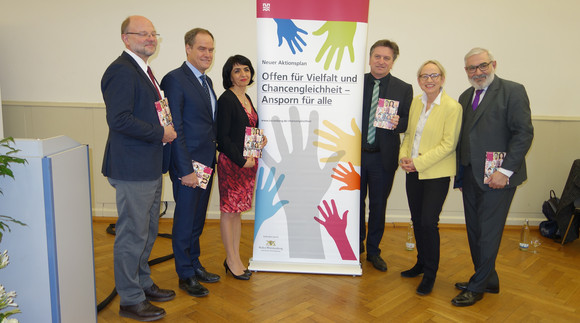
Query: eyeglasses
{"points": [[425, 77], [482, 67], [144, 34]]}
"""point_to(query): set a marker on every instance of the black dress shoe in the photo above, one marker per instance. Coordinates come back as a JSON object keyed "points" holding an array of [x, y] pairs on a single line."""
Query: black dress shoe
{"points": [[156, 294], [466, 298], [463, 286], [413, 272], [206, 277], [193, 287], [426, 286], [143, 311], [377, 262]]}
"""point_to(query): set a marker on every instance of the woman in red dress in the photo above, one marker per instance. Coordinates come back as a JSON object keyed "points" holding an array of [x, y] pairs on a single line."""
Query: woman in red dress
{"points": [[236, 173]]}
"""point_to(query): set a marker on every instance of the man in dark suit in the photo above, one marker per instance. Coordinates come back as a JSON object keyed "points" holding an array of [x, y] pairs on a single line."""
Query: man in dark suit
{"points": [[496, 118], [133, 164], [380, 147], [193, 106]]}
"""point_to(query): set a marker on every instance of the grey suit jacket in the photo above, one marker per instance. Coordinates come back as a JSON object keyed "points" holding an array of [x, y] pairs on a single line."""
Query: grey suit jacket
{"points": [[502, 123]]}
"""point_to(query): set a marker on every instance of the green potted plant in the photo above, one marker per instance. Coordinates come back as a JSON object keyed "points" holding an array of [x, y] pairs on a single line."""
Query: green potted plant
{"points": [[7, 305]]}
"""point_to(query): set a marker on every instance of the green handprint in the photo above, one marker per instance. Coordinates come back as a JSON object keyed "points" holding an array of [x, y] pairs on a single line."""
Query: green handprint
{"points": [[340, 35], [342, 142]]}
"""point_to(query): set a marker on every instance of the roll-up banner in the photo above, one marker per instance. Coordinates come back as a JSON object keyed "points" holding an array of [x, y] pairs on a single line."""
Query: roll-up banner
{"points": [[311, 57]]}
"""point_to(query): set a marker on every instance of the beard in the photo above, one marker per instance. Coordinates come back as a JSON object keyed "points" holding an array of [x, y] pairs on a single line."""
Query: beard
{"points": [[488, 79]]}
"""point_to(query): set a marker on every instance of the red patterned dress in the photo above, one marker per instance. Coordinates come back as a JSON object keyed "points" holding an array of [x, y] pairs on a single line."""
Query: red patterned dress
{"points": [[236, 184]]}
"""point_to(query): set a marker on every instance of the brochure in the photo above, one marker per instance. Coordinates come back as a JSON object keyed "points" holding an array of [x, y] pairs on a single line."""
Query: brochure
{"points": [[253, 142], [493, 161]]}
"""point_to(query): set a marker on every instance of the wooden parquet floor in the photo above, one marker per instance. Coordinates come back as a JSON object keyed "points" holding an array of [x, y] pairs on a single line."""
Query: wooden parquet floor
{"points": [[542, 287]]}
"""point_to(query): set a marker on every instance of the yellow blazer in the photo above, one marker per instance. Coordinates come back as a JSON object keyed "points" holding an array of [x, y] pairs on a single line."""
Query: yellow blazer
{"points": [[439, 139]]}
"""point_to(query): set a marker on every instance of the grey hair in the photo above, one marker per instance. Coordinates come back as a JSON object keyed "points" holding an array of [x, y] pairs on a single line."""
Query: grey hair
{"points": [[478, 50]]}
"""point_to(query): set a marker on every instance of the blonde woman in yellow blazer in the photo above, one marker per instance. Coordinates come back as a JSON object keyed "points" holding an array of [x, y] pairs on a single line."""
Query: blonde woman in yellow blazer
{"points": [[427, 155]]}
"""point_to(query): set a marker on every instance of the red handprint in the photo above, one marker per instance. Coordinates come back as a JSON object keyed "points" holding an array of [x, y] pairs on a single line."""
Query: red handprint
{"points": [[336, 227]]}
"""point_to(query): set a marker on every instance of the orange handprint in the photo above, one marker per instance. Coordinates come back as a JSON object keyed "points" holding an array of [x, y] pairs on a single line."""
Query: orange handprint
{"points": [[350, 177]]}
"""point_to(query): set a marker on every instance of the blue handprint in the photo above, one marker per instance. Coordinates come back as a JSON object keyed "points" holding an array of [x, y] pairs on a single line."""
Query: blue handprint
{"points": [[266, 209], [288, 30]]}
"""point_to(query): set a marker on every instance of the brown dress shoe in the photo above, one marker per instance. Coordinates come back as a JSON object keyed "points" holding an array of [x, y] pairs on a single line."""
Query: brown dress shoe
{"points": [[143, 311], [156, 294]]}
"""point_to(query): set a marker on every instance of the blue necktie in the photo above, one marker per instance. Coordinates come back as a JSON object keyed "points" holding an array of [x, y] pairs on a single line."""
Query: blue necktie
{"points": [[205, 87]]}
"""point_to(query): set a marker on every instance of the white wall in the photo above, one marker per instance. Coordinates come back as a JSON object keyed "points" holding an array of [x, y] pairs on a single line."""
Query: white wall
{"points": [[54, 54], [57, 51]]}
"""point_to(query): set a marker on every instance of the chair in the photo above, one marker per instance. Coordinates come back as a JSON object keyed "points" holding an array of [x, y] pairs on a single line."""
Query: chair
{"points": [[576, 211]]}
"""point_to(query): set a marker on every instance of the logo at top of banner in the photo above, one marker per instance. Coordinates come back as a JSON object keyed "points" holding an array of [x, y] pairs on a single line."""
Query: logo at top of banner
{"points": [[325, 10]]}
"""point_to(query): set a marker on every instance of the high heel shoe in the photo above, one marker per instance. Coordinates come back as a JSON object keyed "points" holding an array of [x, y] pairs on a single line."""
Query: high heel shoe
{"points": [[243, 276]]}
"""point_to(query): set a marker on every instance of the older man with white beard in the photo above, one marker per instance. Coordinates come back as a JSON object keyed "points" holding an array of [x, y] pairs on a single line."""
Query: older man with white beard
{"points": [[496, 119]]}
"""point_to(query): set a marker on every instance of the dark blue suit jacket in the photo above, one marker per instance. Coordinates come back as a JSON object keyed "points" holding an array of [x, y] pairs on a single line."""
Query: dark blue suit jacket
{"points": [[388, 140], [193, 121], [134, 148]]}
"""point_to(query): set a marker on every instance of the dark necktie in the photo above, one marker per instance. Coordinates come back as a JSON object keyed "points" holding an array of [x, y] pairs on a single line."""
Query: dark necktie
{"points": [[476, 99], [374, 103], [153, 80], [205, 87]]}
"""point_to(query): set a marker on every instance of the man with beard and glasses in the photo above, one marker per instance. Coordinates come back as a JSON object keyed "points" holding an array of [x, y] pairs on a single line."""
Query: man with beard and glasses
{"points": [[496, 119]]}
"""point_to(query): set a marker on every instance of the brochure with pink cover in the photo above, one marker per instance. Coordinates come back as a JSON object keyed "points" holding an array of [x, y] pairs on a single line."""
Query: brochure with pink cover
{"points": [[163, 112], [253, 142], [203, 173], [493, 161], [385, 112]]}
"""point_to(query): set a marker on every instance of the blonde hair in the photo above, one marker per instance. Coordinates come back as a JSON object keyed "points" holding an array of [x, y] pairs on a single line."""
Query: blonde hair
{"points": [[434, 62]]}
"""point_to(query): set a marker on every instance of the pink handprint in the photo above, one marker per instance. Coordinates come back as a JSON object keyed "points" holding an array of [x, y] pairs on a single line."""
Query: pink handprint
{"points": [[336, 227]]}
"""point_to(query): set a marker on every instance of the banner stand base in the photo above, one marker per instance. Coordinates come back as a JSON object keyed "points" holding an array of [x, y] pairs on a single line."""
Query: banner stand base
{"points": [[306, 268]]}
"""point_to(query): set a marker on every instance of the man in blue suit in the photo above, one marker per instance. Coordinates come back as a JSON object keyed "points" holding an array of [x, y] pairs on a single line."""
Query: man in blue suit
{"points": [[133, 165], [193, 106]]}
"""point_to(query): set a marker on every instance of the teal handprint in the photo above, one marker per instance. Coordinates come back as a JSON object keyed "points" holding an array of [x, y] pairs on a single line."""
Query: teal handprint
{"points": [[266, 194], [340, 35]]}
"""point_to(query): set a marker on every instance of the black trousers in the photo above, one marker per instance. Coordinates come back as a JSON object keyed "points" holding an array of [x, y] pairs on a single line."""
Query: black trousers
{"points": [[378, 182], [426, 198]]}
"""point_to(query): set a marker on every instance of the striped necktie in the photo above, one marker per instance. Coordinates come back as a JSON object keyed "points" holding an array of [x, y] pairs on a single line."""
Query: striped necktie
{"points": [[374, 104], [205, 87]]}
